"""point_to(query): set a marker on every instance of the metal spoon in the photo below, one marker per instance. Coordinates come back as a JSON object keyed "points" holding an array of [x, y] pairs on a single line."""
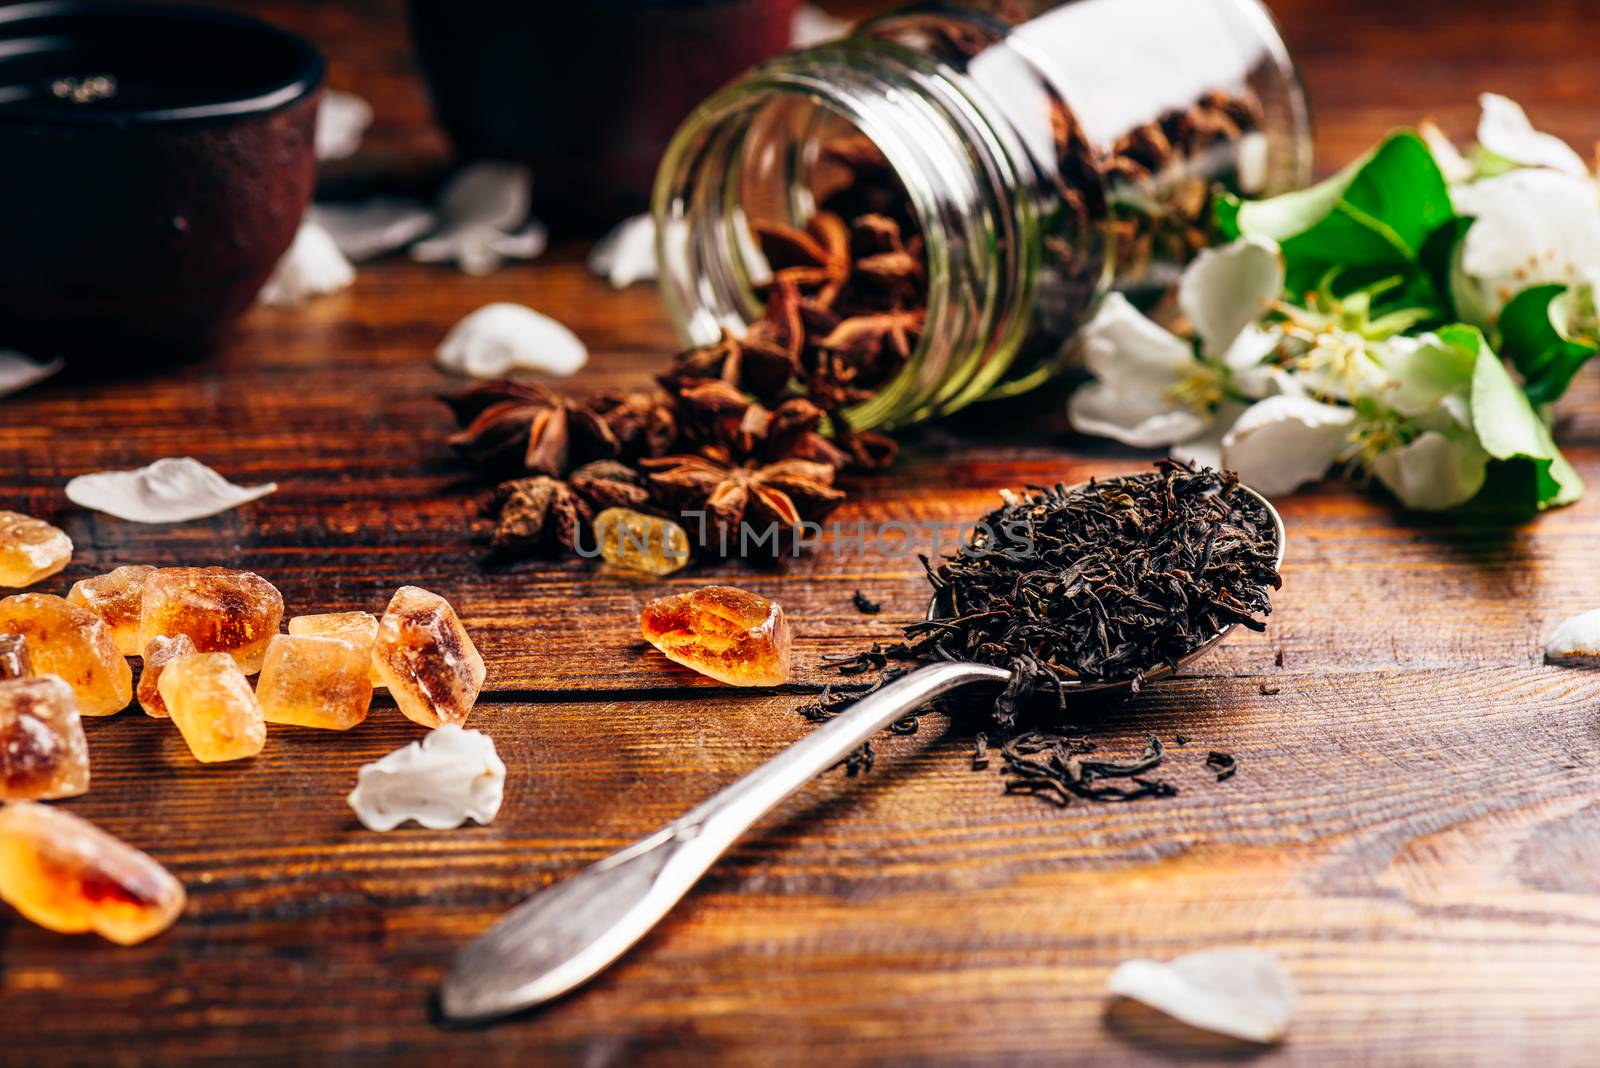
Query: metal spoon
{"points": [[566, 934]]}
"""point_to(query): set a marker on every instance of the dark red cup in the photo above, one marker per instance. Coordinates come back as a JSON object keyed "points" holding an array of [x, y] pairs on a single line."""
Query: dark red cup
{"points": [[143, 216], [586, 92]]}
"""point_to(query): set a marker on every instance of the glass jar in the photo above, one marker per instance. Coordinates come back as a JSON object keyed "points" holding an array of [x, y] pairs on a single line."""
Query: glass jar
{"points": [[1046, 155]]}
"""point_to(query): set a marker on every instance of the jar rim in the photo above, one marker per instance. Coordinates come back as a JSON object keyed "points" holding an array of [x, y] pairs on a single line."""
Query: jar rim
{"points": [[828, 77]]}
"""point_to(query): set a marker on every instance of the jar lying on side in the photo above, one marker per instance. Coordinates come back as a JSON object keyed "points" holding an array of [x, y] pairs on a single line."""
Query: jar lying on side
{"points": [[928, 210]]}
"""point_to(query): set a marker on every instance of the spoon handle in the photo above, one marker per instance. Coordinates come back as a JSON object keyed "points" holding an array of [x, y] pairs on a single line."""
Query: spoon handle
{"points": [[566, 934]]}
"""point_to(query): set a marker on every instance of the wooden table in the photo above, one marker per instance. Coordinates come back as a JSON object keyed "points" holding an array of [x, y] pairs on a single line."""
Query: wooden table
{"points": [[1414, 828]]}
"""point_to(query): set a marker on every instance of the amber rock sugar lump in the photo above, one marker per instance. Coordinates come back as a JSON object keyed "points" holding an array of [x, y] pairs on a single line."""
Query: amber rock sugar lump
{"points": [[727, 633], [221, 610], [73, 643], [358, 628], [157, 655], [634, 541], [425, 658], [64, 873], [30, 550], [315, 682], [15, 663], [43, 753], [211, 702], [115, 597]]}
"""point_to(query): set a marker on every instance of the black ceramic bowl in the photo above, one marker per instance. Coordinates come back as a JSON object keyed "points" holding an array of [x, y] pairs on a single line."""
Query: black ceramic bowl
{"points": [[154, 165]]}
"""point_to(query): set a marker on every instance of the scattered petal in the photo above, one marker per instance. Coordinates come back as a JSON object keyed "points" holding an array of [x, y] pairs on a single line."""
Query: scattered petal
{"points": [[371, 228], [483, 219], [172, 490], [1452, 164], [1433, 472], [814, 26], [627, 254], [342, 120], [1504, 129], [312, 267], [1575, 637], [450, 776], [1229, 288], [1532, 226], [500, 338], [1283, 442], [1243, 993], [18, 373]]}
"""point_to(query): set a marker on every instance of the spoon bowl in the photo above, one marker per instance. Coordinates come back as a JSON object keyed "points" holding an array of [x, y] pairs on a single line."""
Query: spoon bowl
{"points": [[1164, 670]]}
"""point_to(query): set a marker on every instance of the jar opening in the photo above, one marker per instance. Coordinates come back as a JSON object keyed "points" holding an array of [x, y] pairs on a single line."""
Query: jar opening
{"points": [[830, 155]]}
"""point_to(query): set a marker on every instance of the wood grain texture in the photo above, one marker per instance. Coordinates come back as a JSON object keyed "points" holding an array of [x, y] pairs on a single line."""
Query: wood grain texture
{"points": [[1414, 828]]}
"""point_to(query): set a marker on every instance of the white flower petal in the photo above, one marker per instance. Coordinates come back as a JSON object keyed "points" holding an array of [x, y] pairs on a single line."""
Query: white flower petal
{"points": [[1578, 636], [1504, 129], [1532, 226], [1129, 353], [1452, 164], [1254, 154], [1144, 420], [627, 254], [1434, 472], [1244, 360], [171, 490], [18, 373], [500, 338], [527, 243], [1227, 289], [371, 228], [478, 209], [814, 26], [312, 267], [1422, 372], [488, 193], [451, 776], [1283, 442], [342, 120], [1243, 993], [1205, 449]]}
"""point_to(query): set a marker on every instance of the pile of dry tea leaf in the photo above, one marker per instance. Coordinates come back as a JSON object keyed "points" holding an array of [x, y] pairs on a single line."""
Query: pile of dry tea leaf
{"points": [[1107, 582], [1103, 583]]}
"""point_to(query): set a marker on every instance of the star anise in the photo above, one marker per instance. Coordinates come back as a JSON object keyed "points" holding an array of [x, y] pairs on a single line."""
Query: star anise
{"points": [[757, 366], [876, 346], [786, 492], [644, 421], [513, 425], [539, 512], [609, 484], [816, 259]]}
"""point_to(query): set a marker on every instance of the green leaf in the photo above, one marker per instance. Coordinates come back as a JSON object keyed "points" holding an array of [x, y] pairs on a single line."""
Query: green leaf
{"points": [[1507, 425], [1376, 213], [1226, 211], [1542, 353]]}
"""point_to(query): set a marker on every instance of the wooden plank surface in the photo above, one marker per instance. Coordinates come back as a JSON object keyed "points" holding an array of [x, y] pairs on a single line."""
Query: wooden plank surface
{"points": [[1414, 828]]}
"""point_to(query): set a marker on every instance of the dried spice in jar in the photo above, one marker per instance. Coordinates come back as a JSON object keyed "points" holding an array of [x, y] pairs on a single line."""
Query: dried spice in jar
{"points": [[921, 215]]}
